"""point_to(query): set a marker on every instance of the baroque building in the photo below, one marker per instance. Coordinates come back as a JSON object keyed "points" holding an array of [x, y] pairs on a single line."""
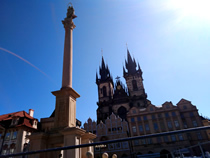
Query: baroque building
{"points": [[14, 127], [129, 104]]}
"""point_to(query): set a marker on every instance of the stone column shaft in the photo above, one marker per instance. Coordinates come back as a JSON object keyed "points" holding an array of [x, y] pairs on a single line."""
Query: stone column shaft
{"points": [[68, 54]]}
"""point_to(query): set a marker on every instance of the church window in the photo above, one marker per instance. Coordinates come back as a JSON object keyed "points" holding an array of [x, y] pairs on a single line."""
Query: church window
{"points": [[151, 109], [167, 106], [139, 118], [185, 107], [145, 118], [134, 83], [114, 129], [122, 112], [119, 128], [109, 129], [104, 91], [134, 111], [153, 117]]}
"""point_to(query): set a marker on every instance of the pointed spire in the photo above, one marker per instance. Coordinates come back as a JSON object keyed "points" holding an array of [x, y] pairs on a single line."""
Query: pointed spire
{"points": [[129, 56], [102, 63], [96, 77], [134, 61], [124, 72], [130, 64], [104, 72]]}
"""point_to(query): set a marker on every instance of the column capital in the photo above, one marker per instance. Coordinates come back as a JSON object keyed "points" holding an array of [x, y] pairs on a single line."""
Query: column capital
{"points": [[68, 23]]}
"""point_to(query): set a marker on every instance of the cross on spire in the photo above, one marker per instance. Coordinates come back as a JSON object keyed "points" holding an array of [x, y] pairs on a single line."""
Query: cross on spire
{"points": [[101, 52]]}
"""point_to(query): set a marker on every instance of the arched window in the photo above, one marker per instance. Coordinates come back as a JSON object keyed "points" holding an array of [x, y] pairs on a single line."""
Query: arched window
{"points": [[4, 149], [104, 91], [134, 83], [122, 112]]}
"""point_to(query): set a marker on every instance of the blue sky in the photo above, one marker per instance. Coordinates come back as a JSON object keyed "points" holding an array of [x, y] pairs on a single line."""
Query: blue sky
{"points": [[169, 39]]}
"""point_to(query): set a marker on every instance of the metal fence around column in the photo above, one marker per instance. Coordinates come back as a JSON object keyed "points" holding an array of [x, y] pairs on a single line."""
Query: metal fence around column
{"points": [[108, 142]]}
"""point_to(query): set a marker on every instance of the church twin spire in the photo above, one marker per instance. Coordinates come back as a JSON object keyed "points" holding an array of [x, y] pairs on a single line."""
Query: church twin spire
{"points": [[104, 73], [130, 65]]}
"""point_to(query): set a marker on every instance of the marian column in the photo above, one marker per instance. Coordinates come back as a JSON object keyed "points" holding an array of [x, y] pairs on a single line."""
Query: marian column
{"points": [[68, 47], [65, 110]]}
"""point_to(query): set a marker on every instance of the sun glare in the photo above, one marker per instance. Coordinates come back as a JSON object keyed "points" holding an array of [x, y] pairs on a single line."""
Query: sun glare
{"points": [[192, 8]]}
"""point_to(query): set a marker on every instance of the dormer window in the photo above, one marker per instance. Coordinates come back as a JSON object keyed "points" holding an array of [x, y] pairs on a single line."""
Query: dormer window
{"points": [[14, 121], [34, 124]]}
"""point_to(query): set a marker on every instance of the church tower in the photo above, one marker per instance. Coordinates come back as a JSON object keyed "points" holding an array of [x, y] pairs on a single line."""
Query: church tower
{"points": [[105, 83], [105, 92], [134, 81]]}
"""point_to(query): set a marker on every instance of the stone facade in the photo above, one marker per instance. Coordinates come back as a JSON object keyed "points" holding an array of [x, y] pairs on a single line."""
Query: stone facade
{"points": [[165, 118], [130, 103], [14, 129], [113, 128]]}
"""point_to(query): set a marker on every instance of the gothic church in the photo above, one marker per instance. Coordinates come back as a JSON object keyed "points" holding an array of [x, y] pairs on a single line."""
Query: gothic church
{"points": [[116, 98]]}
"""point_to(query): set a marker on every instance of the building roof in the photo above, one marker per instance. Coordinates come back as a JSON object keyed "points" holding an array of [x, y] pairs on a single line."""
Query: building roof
{"points": [[25, 119], [15, 114]]}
